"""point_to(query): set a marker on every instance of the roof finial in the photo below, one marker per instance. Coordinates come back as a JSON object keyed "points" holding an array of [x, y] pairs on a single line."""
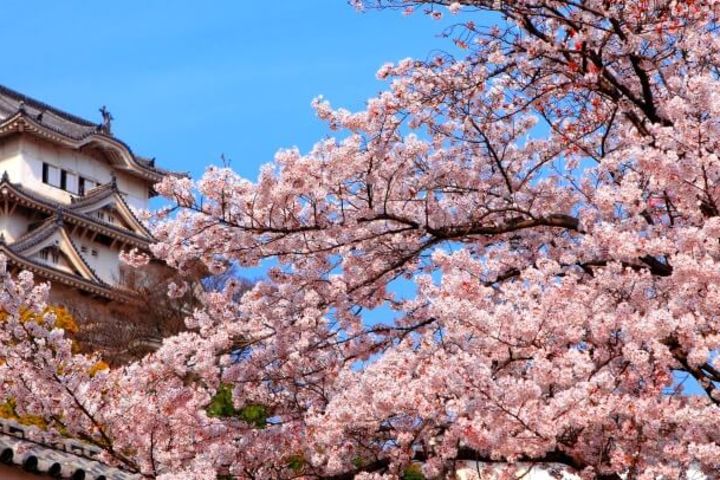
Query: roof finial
{"points": [[5, 177], [2, 237], [21, 107], [59, 213], [107, 118], [113, 180]]}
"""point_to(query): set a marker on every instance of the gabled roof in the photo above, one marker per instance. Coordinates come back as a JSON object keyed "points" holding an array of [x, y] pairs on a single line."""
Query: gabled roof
{"points": [[108, 195], [52, 233], [58, 120], [21, 254], [20, 113], [47, 272], [70, 215]]}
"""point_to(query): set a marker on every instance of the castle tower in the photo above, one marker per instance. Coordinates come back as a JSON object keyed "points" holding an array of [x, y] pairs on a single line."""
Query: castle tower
{"points": [[68, 188]]}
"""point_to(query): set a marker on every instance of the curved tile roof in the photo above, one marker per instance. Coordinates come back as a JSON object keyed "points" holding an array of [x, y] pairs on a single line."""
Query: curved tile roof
{"points": [[102, 192], [48, 272], [50, 206], [33, 237], [74, 126], [15, 104], [48, 228], [64, 459]]}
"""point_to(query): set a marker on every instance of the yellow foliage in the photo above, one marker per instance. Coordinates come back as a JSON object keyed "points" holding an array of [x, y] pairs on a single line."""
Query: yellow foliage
{"points": [[63, 318], [33, 420], [8, 411], [98, 367]]}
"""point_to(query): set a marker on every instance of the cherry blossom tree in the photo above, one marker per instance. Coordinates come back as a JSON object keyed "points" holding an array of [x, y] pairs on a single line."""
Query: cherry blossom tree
{"points": [[551, 193]]}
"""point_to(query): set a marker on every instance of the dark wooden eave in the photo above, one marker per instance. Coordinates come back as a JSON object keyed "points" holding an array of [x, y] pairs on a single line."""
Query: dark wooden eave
{"points": [[47, 272], [33, 200]]}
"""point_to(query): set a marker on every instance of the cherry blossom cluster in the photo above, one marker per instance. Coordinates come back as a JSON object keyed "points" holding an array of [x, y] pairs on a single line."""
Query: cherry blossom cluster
{"points": [[551, 194]]}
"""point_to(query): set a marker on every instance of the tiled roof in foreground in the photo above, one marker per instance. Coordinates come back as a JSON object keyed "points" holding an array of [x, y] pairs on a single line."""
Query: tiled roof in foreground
{"points": [[66, 459]]}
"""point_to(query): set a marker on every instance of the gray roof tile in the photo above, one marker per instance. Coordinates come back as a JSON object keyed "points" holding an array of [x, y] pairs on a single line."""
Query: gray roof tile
{"points": [[64, 458]]}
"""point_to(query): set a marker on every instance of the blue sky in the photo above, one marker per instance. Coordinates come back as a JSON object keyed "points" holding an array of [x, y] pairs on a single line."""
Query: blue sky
{"points": [[188, 81]]}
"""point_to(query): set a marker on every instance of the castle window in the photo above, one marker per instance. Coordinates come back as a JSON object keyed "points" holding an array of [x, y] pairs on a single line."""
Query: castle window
{"points": [[94, 253], [63, 179], [85, 185], [50, 254], [51, 175], [83, 249], [71, 182]]}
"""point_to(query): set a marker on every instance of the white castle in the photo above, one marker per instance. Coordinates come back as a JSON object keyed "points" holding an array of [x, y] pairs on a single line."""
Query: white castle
{"points": [[67, 192]]}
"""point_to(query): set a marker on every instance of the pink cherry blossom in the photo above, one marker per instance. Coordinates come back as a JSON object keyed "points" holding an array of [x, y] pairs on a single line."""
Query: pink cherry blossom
{"points": [[552, 198]]}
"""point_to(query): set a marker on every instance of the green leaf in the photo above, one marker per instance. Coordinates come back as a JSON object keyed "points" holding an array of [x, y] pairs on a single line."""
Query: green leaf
{"points": [[413, 472], [254, 414], [221, 406], [296, 463]]}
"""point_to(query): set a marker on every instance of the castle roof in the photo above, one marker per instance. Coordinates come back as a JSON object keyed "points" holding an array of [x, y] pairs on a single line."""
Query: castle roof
{"points": [[20, 113], [48, 272], [53, 232], [76, 214]]}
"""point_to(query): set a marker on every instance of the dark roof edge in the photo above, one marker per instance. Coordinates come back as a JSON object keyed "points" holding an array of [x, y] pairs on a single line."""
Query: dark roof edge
{"points": [[142, 162], [71, 215], [51, 225], [44, 106], [50, 273]]}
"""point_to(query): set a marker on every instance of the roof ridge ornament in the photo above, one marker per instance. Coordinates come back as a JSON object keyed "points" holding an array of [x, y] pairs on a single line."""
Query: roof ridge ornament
{"points": [[107, 118], [5, 177], [71, 131]]}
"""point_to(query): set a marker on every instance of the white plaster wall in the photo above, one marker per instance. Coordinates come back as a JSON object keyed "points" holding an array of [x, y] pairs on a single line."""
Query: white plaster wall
{"points": [[62, 263], [13, 226], [23, 157], [11, 158], [135, 190], [34, 153], [107, 262]]}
